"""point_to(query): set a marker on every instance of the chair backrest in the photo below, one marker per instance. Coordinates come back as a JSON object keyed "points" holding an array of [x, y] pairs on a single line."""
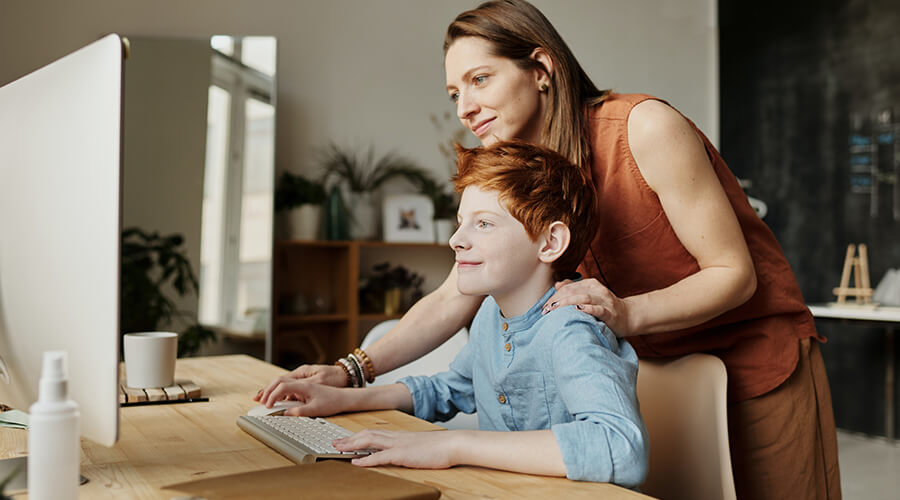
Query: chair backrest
{"points": [[683, 402], [434, 362]]}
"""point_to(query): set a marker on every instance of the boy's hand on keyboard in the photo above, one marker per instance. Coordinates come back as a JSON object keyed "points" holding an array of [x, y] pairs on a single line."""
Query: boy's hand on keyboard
{"points": [[419, 450], [318, 400]]}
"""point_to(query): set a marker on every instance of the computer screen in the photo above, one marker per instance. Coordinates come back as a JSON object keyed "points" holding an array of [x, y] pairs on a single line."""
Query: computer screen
{"points": [[60, 213]]}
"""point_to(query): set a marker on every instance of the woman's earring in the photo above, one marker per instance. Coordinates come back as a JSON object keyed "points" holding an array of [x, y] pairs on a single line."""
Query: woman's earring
{"points": [[544, 87]]}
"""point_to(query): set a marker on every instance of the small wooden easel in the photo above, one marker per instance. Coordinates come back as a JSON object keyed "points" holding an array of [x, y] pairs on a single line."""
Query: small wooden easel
{"points": [[862, 290]]}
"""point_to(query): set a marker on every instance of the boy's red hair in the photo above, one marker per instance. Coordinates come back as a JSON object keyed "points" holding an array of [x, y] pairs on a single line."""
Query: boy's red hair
{"points": [[538, 187]]}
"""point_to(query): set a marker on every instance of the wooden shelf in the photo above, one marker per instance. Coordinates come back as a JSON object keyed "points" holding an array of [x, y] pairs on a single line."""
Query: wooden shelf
{"points": [[378, 317], [312, 243], [312, 318], [364, 244], [395, 244], [331, 270]]}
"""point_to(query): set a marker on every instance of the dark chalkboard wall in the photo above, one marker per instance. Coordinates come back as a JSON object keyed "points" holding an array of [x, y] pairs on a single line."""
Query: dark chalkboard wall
{"points": [[794, 76]]}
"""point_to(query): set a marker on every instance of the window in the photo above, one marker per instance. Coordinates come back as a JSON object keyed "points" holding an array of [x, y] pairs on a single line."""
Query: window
{"points": [[236, 234]]}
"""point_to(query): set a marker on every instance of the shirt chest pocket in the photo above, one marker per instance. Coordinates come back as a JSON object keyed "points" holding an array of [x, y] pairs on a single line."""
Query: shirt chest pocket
{"points": [[526, 395]]}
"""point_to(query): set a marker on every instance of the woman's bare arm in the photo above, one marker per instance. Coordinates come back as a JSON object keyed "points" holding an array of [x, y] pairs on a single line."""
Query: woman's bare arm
{"points": [[428, 324], [673, 161]]}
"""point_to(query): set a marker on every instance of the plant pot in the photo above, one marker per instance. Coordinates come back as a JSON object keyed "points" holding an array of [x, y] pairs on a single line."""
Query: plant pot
{"points": [[304, 221], [443, 230], [363, 216], [393, 301]]}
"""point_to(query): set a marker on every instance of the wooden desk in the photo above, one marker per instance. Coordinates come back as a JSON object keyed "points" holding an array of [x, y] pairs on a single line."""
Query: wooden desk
{"points": [[167, 444], [888, 317]]}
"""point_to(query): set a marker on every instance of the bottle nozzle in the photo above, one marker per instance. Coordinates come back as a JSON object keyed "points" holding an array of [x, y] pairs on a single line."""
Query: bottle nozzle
{"points": [[54, 377]]}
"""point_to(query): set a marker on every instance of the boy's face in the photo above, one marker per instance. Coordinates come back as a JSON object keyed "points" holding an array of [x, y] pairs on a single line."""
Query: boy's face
{"points": [[494, 254]]}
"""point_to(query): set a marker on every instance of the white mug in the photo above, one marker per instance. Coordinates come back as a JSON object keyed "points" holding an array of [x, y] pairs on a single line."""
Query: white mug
{"points": [[150, 359]]}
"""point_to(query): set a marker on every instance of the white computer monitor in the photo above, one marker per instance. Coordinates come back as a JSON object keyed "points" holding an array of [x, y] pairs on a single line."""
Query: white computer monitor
{"points": [[60, 213]]}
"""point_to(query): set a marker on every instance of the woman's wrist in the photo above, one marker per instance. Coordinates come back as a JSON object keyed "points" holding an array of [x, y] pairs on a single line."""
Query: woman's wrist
{"points": [[357, 368], [631, 308]]}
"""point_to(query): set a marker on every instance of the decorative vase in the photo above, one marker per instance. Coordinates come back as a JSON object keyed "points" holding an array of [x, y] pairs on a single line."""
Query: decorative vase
{"points": [[337, 216], [363, 216], [303, 222], [443, 230], [393, 301]]}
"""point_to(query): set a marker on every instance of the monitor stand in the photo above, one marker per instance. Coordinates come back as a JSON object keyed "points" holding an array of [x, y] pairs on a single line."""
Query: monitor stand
{"points": [[18, 484]]}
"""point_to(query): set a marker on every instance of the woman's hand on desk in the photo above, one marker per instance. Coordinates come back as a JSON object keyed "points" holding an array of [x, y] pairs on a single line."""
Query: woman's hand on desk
{"points": [[418, 450], [320, 374], [318, 400]]}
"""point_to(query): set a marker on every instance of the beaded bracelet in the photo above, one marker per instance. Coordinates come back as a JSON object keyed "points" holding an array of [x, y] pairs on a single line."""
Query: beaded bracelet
{"points": [[367, 364], [358, 366], [348, 366], [346, 371]]}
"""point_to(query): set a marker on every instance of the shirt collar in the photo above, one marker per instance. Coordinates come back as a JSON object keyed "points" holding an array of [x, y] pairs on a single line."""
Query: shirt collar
{"points": [[526, 320]]}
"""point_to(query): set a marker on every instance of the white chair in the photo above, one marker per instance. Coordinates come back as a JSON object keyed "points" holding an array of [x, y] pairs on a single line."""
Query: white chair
{"points": [[434, 362], [683, 402]]}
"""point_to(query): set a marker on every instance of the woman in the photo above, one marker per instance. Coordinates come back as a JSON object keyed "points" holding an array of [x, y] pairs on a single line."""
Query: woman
{"points": [[679, 263]]}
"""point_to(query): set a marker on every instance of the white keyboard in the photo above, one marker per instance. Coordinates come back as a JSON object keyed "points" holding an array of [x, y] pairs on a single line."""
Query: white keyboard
{"points": [[301, 439]]}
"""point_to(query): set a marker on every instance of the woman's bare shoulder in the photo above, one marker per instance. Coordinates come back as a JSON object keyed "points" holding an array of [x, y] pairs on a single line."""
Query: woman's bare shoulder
{"points": [[651, 121]]}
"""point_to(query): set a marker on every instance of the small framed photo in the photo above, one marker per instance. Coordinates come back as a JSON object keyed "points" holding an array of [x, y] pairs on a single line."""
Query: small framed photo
{"points": [[408, 218]]}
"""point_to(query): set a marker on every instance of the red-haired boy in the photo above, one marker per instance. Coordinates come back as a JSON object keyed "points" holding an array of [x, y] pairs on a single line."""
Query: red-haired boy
{"points": [[561, 380]]}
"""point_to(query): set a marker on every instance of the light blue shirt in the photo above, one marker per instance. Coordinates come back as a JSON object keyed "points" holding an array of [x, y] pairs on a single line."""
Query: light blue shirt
{"points": [[565, 371]]}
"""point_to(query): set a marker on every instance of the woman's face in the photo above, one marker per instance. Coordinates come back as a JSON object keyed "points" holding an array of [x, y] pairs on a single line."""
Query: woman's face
{"points": [[495, 99]]}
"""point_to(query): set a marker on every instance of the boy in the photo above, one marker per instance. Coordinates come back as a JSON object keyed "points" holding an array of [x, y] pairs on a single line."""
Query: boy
{"points": [[562, 380]]}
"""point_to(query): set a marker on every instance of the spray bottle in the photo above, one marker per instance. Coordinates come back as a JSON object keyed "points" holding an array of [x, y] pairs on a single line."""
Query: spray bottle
{"points": [[54, 447]]}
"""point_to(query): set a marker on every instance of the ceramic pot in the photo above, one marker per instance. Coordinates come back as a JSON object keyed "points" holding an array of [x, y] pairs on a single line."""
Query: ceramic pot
{"points": [[443, 230], [363, 216], [303, 222]]}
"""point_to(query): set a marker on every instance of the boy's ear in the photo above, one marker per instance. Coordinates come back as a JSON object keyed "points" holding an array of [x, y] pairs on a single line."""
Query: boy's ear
{"points": [[555, 242]]}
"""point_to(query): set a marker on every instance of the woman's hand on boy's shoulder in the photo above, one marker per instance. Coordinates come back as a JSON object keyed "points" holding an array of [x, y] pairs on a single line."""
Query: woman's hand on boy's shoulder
{"points": [[590, 296], [418, 450]]}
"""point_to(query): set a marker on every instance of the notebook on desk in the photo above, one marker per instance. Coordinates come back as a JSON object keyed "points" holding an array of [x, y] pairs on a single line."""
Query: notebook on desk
{"points": [[329, 479]]}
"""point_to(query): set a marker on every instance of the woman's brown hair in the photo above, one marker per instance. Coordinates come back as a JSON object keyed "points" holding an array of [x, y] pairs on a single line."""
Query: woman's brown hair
{"points": [[514, 29]]}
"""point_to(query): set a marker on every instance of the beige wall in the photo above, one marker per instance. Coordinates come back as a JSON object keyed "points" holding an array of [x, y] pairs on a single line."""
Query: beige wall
{"points": [[166, 88], [370, 72]]}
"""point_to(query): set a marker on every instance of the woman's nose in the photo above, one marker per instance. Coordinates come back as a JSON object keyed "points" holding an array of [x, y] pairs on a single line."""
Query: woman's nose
{"points": [[466, 107]]}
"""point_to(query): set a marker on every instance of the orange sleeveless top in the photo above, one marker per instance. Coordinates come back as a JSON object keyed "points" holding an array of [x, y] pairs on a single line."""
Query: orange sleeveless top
{"points": [[635, 250]]}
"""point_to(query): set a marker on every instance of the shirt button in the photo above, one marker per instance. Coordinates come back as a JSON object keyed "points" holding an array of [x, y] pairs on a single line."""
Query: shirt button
{"points": [[505, 326], [502, 399], [508, 346]]}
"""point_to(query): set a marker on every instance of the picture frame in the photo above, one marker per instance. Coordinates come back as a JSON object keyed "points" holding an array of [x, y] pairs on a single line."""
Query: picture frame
{"points": [[408, 218]]}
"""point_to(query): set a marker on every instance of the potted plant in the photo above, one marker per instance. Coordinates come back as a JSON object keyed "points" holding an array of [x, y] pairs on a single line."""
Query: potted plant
{"points": [[152, 267], [301, 200], [445, 203], [390, 290], [445, 206], [361, 175]]}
